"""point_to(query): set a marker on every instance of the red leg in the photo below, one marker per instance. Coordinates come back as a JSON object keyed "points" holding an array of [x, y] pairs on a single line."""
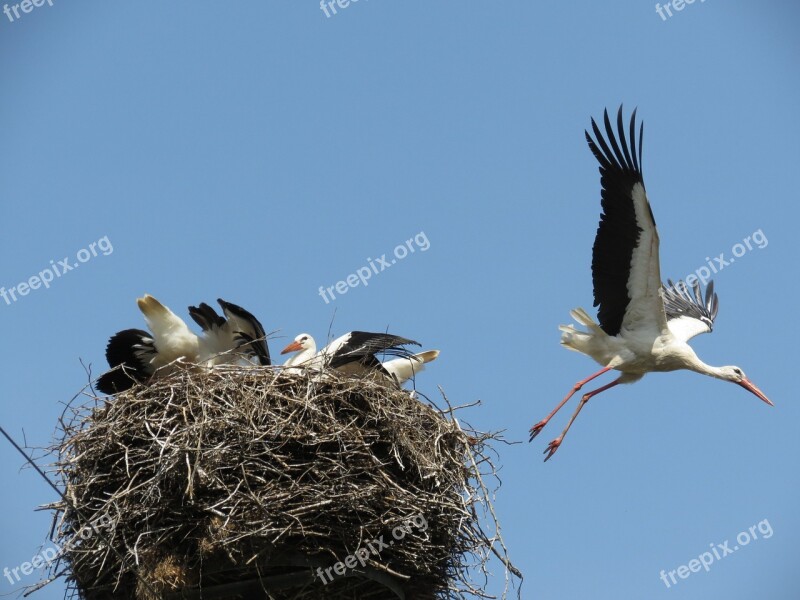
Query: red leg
{"points": [[553, 446], [540, 425]]}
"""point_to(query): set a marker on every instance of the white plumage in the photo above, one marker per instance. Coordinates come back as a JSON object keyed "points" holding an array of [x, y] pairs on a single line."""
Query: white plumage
{"points": [[135, 355]]}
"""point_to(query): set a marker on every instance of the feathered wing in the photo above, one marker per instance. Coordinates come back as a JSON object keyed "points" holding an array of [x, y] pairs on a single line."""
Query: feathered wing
{"points": [[625, 260], [130, 354], [688, 313], [403, 369], [218, 342], [362, 347], [172, 338], [251, 339]]}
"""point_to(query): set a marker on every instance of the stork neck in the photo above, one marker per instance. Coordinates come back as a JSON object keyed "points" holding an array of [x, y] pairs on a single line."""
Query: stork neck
{"points": [[301, 357], [698, 366]]}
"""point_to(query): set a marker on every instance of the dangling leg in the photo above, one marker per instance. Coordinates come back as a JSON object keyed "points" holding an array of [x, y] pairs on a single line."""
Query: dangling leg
{"points": [[538, 427], [553, 446]]}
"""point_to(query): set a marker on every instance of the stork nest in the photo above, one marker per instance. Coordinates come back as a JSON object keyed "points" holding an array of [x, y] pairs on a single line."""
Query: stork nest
{"points": [[245, 482]]}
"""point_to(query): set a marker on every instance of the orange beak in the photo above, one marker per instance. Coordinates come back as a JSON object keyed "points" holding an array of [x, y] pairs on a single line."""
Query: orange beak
{"points": [[294, 347], [751, 387]]}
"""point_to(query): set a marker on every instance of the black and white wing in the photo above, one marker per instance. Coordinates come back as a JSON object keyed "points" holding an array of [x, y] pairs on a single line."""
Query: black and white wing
{"points": [[251, 339], [218, 343], [362, 347], [688, 313], [625, 262], [130, 354], [206, 317]]}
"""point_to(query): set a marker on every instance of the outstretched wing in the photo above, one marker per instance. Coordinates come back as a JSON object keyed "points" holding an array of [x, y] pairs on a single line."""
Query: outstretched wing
{"points": [[625, 263], [206, 317], [248, 331], [688, 313], [363, 346]]}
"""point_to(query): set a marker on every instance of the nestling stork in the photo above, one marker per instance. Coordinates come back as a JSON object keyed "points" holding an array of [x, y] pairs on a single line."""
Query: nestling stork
{"points": [[305, 348], [135, 355], [139, 354], [356, 353], [643, 327]]}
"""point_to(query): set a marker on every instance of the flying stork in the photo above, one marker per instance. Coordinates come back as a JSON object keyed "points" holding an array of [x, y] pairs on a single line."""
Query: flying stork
{"points": [[356, 353], [135, 355], [643, 326]]}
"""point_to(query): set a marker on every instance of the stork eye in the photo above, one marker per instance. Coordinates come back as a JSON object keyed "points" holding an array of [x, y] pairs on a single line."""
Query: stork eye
{"points": [[737, 371]]}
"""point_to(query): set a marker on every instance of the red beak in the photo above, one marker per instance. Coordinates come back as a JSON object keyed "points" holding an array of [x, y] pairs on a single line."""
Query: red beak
{"points": [[751, 387], [294, 347]]}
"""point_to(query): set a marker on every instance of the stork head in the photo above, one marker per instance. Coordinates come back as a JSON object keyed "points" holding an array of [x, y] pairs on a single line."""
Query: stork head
{"points": [[737, 376], [303, 342]]}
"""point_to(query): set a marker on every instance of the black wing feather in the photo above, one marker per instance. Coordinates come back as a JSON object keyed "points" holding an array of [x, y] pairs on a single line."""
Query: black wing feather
{"points": [[253, 342], [206, 317], [618, 232], [362, 346], [679, 301], [127, 353]]}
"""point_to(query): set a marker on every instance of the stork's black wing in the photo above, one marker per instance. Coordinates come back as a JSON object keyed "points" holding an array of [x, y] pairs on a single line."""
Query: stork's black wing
{"points": [[129, 354], [625, 268], [206, 317], [248, 331], [364, 346]]}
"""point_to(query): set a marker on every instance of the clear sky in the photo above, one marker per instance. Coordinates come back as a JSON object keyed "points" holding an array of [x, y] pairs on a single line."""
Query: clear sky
{"points": [[259, 150]]}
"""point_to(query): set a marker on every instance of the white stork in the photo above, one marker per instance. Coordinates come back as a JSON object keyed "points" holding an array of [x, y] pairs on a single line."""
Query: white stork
{"points": [[135, 355], [306, 355], [643, 327], [356, 353]]}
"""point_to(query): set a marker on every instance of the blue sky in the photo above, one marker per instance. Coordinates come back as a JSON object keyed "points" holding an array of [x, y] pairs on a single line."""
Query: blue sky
{"points": [[259, 150]]}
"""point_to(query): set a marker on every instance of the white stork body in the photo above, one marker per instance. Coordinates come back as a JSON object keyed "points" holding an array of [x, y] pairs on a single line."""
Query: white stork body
{"points": [[643, 326], [172, 338], [136, 355]]}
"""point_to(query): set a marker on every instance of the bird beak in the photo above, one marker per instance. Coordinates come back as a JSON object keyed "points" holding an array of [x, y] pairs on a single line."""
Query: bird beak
{"points": [[751, 387], [293, 347]]}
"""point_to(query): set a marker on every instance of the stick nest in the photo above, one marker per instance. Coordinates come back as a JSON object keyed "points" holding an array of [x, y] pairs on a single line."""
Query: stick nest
{"points": [[245, 482]]}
